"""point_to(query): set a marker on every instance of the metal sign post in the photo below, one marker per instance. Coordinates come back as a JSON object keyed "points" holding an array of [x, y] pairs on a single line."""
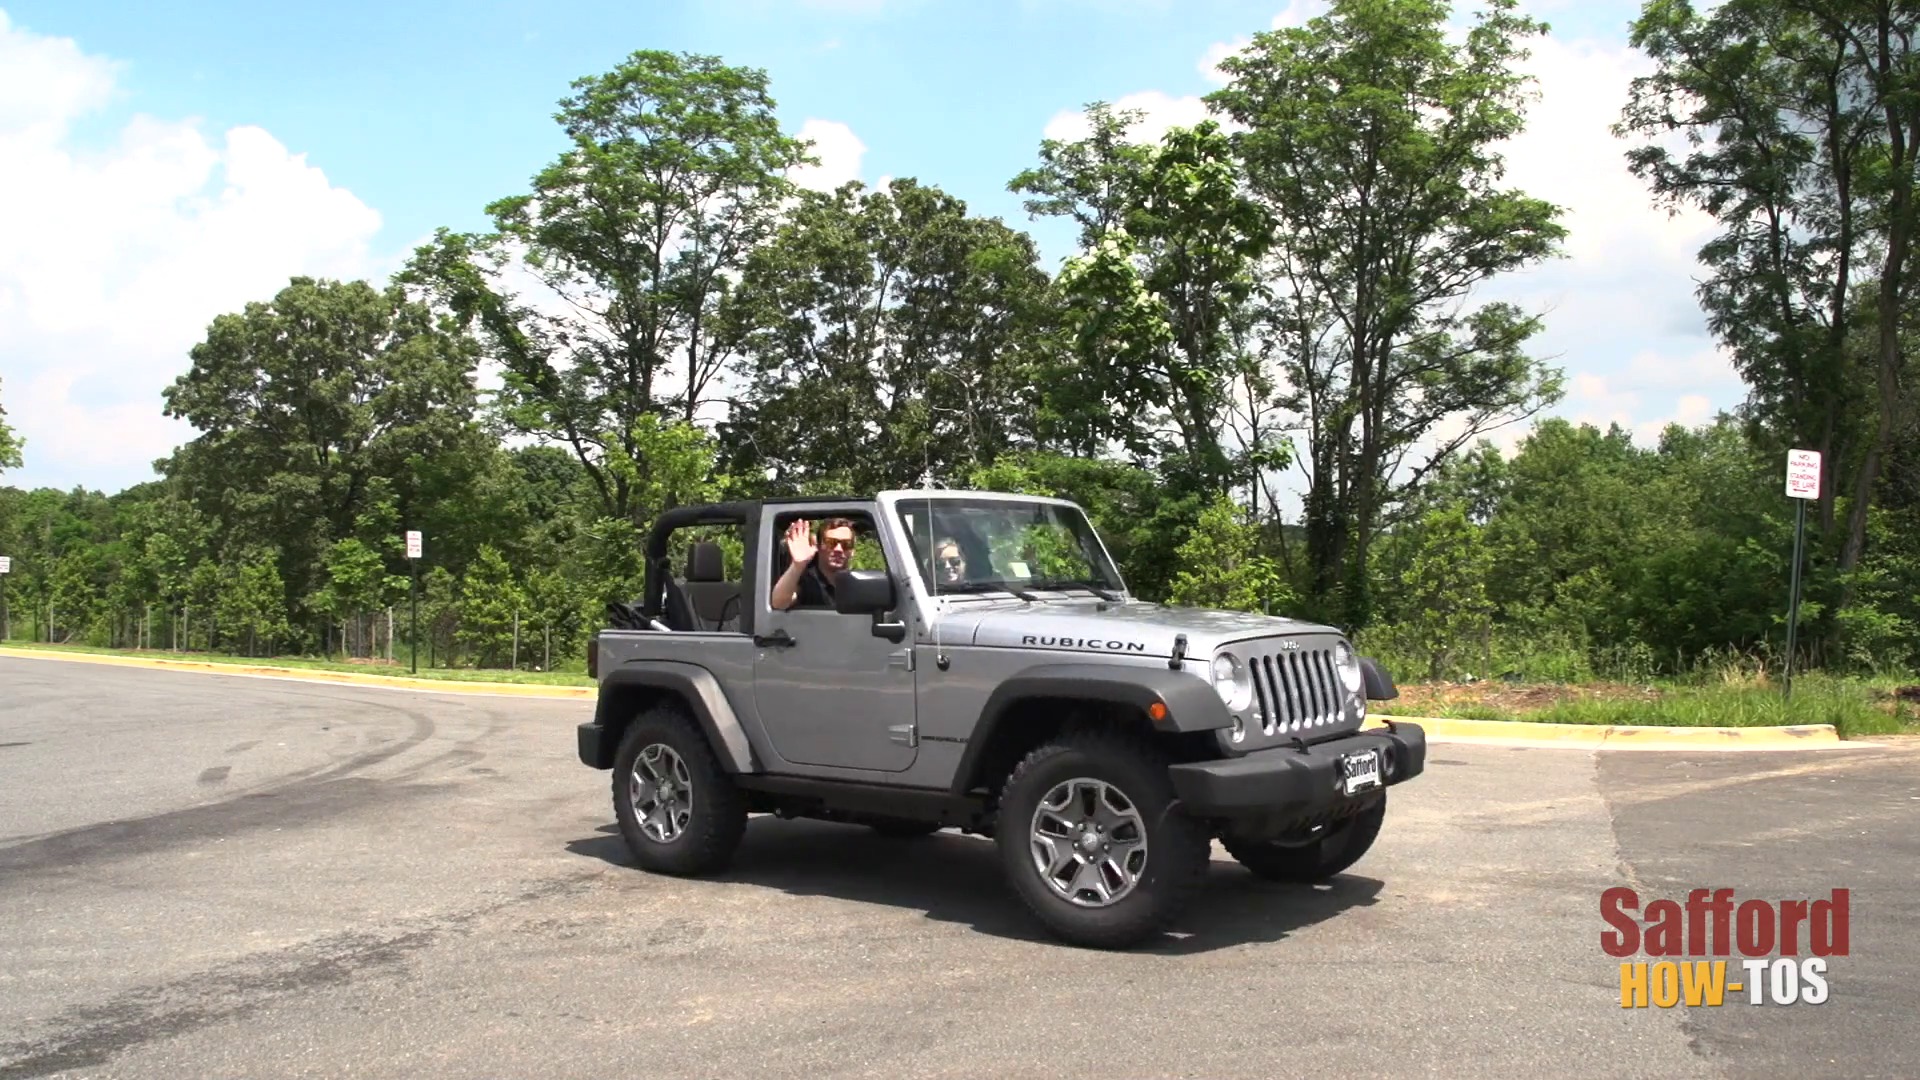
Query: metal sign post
{"points": [[413, 590], [6, 613], [1803, 484]]}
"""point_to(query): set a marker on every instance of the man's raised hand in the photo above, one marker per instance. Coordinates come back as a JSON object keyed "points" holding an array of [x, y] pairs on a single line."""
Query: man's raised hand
{"points": [[800, 542]]}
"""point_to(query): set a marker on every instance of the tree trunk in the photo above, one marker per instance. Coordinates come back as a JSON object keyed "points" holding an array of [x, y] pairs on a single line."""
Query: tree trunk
{"points": [[1886, 418], [1902, 128]]}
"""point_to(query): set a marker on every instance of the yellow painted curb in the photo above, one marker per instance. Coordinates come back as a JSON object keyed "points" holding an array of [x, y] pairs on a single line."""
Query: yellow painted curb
{"points": [[349, 678], [1622, 736]]}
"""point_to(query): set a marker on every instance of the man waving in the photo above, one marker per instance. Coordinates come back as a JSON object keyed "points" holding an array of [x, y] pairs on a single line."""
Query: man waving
{"points": [[806, 581]]}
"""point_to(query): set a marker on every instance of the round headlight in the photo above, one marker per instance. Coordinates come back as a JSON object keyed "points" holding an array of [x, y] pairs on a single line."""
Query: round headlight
{"points": [[1349, 667], [1232, 681]]}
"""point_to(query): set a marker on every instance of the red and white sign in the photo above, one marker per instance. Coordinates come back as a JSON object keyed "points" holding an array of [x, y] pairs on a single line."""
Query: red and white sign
{"points": [[1803, 474], [413, 543]]}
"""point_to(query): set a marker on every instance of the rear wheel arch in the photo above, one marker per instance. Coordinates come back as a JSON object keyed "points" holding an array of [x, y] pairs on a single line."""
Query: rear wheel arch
{"points": [[693, 691]]}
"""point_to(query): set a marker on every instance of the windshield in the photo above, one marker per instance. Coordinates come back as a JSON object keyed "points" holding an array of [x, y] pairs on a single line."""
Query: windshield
{"points": [[963, 545]]}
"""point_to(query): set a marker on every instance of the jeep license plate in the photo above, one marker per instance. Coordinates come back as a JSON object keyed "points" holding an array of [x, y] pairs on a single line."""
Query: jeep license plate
{"points": [[1359, 771]]}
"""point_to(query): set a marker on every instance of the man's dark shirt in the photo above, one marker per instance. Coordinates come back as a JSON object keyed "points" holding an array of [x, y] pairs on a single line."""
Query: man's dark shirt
{"points": [[813, 590]]}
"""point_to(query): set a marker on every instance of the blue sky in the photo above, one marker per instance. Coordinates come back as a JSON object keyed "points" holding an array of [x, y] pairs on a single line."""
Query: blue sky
{"points": [[162, 164], [427, 111]]}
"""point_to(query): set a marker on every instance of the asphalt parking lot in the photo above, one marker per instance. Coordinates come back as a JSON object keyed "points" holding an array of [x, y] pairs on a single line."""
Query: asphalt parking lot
{"points": [[216, 876]]}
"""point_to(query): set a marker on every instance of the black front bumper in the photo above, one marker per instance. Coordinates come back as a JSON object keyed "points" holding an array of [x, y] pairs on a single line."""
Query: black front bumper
{"points": [[1285, 783]]}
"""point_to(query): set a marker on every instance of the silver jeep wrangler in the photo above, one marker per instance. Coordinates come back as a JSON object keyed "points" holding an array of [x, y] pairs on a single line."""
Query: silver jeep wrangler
{"points": [[975, 662]]}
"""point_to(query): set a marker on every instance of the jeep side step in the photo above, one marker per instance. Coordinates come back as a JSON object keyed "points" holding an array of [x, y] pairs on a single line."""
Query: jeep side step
{"points": [[805, 796]]}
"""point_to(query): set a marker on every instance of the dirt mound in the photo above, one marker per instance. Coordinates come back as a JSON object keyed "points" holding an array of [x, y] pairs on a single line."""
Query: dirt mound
{"points": [[1506, 697]]}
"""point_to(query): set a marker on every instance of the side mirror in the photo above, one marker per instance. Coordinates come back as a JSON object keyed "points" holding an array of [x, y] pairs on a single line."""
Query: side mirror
{"points": [[863, 592]]}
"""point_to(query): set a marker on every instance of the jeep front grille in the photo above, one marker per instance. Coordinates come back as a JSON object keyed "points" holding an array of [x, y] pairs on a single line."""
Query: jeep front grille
{"points": [[1298, 691]]}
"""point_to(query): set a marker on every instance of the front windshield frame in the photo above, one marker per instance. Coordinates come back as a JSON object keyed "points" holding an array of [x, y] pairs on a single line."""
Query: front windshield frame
{"points": [[990, 522]]}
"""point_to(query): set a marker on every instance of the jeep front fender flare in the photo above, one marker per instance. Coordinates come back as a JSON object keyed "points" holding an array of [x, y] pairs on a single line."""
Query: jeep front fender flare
{"points": [[1377, 683], [1189, 703], [692, 684]]}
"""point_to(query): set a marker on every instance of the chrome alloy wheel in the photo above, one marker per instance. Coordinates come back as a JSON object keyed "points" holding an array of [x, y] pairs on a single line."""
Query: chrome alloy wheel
{"points": [[1089, 842], [662, 793]]}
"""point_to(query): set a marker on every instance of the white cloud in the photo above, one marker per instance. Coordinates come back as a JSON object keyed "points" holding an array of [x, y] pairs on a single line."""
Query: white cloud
{"points": [[45, 82], [114, 259], [1296, 13], [1653, 391], [839, 152], [1621, 314], [1160, 111], [1569, 156], [1218, 51]]}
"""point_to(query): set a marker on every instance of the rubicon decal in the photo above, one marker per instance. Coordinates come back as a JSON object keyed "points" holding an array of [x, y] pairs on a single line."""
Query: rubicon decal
{"points": [[1084, 643], [1783, 947]]}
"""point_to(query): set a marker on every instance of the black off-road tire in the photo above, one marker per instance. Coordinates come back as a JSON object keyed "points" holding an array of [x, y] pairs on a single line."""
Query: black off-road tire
{"points": [[1177, 853], [1330, 854], [716, 817]]}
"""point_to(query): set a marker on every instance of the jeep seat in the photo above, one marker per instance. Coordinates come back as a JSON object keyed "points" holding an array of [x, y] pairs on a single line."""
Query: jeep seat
{"points": [[715, 600]]}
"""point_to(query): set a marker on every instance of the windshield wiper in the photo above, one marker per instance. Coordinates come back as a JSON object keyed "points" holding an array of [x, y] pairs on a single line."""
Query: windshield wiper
{"points": [[988, 586], [1062, 584]]}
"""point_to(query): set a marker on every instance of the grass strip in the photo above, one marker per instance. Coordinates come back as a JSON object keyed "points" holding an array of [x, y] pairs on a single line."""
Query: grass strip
{"points": [[1853, 707]]}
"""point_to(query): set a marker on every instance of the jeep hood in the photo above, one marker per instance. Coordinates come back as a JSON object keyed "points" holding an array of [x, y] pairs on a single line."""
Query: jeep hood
{"points": [[1136, 628]]}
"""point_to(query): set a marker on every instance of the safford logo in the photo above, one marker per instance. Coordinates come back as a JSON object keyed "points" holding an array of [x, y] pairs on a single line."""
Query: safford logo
{"points": [[1084, 643], [1767, 935]]}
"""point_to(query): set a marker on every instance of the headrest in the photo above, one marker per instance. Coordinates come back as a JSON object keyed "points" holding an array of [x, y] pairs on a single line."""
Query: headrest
{"points": [[704, 562]]}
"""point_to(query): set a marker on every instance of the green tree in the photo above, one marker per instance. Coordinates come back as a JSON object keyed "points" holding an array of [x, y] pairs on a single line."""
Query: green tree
{"points": [[76, 604], [555, 625], [330, 400], [10, 445], [674, 173], [1801, 124], [1371, 140], [1093, 180], [1157, 301], [439, 617], [251, 608], [664, 464], [885, 334], [356, 583], [490, 603], [1222, 565], [1573, 519], [1711, 572], [1446, 591], [1882, 623]]}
